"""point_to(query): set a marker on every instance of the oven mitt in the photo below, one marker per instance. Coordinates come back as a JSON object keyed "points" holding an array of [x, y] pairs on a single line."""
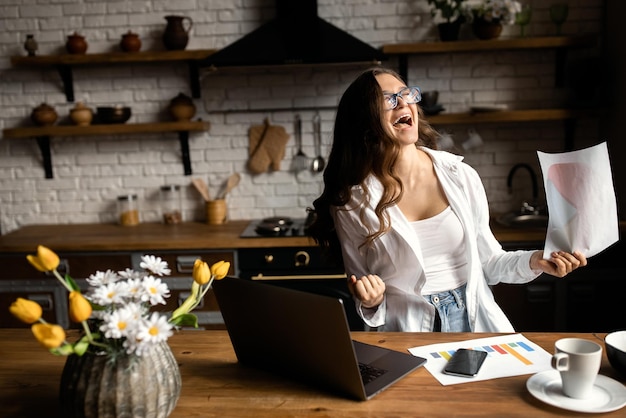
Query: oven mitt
{"points": [[267, 147]]}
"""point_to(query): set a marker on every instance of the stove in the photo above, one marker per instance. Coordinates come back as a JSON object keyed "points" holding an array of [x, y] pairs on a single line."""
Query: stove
{"points": [[275, 227]]}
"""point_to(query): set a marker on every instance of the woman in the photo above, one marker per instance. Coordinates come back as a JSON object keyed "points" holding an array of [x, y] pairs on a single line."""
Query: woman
{"points": [[412, 223]]}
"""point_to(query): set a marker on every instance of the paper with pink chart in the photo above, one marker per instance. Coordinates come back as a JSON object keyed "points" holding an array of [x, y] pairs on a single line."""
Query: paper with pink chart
{"points": [[581, 201]]}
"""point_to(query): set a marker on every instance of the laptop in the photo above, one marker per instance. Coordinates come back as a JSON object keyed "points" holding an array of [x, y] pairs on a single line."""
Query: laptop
{"points": [[305, 336]]}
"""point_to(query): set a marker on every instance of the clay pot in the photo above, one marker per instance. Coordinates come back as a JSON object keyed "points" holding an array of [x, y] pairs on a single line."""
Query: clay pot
{"points": [[76, 44], [44, 115], [30, 45], [486, 30], [176, 35], [81, 115], [130, 42], [182, 107]]}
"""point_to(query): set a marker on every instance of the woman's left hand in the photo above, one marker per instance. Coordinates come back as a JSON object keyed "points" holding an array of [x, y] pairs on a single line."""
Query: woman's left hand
{"points": [[560, 263]]}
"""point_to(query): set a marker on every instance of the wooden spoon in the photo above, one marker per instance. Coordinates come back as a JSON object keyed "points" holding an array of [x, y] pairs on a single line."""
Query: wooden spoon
{"points": [[202, 188], [233, 180]]}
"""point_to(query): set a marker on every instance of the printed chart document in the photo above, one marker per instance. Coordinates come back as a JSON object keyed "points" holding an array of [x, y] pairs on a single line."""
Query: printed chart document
{"points": [[508, 355], [581, 201]]}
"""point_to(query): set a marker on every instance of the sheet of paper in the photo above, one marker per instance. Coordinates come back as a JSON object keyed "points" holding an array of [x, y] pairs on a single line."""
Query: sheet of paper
{"points": [[581, 201], [508, 355]]}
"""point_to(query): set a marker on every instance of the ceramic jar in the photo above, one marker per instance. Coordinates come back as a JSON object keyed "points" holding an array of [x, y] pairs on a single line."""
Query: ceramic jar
{"points": [[76, 44], [30, 45], [182, 108], [176, 35], [130, 42], [81, 115], [44, 115]]}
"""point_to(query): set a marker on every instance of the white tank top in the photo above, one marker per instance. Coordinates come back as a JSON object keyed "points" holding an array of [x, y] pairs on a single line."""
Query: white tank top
{"points": [[443, 248]]}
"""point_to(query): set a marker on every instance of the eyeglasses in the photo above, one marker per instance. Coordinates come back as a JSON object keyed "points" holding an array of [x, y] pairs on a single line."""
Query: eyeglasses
{"points": [[409, 95]]}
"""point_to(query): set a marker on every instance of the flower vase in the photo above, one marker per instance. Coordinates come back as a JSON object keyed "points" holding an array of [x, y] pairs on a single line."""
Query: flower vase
{"points": [[99, 386], [449, 31], [486, 30]]}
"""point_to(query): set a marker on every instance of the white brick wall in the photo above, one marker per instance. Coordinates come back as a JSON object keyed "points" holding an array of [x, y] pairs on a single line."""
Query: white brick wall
{"points": [[90, 172]]}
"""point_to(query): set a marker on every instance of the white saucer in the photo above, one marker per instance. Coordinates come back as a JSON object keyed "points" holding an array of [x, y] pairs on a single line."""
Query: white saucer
{"points": [[607, 395]]}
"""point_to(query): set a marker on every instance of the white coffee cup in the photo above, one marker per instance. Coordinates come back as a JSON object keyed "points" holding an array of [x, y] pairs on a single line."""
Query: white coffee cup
{"points": [[578, 361]]}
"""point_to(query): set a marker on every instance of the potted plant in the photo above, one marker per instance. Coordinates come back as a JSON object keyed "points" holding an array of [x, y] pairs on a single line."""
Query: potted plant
{"points": [[488, 16], [449, 14]]}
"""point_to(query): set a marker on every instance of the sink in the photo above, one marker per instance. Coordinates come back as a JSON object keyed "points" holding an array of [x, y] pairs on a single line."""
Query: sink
{"points": [[517, 220]]}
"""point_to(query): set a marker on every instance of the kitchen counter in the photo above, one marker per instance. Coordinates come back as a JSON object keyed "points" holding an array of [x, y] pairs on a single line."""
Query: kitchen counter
{"points": [[187, 235]]}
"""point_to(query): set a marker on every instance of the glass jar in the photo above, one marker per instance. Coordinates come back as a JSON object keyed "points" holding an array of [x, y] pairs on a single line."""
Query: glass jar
{"points": [[127, 210], [171, 204]]}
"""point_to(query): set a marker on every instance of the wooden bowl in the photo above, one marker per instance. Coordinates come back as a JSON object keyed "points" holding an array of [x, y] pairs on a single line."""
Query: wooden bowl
{"points": [[111, 115]]}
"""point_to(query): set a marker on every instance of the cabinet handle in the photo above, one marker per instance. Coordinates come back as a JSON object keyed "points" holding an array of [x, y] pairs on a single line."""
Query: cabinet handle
{"points": [[184, 263]]}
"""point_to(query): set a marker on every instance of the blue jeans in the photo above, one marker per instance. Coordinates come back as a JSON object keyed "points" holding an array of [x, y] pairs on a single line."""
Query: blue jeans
{"points": [[450, 310]]}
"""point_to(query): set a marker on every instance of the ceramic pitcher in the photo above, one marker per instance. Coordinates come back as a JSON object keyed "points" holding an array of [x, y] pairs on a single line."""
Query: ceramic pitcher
{"points": [[176, 33]]}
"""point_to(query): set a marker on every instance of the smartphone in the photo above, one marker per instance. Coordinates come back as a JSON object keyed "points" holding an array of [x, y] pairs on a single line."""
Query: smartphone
{"points": [[465, 362]]}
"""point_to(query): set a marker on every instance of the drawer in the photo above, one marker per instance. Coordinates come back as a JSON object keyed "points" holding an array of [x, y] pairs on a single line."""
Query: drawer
{"points": [[49, 294]]}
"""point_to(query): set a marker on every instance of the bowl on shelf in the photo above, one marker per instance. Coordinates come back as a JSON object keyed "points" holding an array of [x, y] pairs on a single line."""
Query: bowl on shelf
{"points": [[112, 114], [615, 346]]}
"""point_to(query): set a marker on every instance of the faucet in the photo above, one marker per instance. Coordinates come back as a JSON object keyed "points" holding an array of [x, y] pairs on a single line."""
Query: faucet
{"points": [[526, 208]]}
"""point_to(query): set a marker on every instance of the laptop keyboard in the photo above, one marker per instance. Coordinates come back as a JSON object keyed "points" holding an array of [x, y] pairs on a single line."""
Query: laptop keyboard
{"points": [[369, 373]]}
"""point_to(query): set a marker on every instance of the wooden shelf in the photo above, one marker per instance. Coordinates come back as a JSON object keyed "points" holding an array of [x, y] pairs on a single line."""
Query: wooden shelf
{"points": [[44, 133], [64, 63], [508, 116], [490, 45], [560, 43]]}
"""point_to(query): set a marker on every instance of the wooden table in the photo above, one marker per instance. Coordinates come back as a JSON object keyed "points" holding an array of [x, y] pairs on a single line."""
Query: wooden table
{"points": [[214, 385]]}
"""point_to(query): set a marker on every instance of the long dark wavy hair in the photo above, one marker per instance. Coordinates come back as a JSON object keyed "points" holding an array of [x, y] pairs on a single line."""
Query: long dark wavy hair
{"points": [[361, 147]]}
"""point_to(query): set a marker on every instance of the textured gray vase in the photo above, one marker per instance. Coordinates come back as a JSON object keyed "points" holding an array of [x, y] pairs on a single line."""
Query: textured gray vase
{"points": [[132, 387]]}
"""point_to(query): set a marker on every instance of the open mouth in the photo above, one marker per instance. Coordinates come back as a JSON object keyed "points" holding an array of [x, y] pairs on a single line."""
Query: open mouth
{"points": [[404, 120]]}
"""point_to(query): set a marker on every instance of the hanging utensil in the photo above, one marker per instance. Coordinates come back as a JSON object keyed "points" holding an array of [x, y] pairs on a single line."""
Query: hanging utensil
{"points": [[233, 180], [202, 188], [318, 163], [301, 161]]}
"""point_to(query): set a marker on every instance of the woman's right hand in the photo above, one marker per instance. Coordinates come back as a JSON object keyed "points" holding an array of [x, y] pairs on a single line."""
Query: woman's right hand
{"points": [[370, 289]]}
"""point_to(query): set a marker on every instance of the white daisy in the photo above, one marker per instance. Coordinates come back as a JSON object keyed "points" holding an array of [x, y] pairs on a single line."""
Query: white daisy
{"points": [[101, 278], [130, 274], [155, 265], [156, 329], [118, 323], [155, 291], [106, 295]]}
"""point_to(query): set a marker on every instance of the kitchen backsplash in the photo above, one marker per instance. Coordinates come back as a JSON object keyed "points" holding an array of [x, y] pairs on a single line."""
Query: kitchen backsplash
{"points": [[90, 172]]}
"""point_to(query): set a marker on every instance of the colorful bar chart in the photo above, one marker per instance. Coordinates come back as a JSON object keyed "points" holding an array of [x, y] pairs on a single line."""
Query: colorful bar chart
{"points": [[508, 355]]}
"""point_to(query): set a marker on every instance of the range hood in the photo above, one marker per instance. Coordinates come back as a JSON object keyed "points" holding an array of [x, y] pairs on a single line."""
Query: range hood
{"points": [[296, 36]]}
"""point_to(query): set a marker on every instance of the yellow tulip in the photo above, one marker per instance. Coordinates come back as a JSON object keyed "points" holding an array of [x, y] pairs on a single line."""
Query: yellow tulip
{"points": [[220, 269], [201, 272], [49, 335], [26, 310], [45, 260], [80, 308]]}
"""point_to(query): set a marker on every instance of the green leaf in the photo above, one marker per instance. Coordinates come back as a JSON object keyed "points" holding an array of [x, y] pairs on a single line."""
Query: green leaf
{"points": [[185, 320], [64, 350], [71, 282], [80, 347]]}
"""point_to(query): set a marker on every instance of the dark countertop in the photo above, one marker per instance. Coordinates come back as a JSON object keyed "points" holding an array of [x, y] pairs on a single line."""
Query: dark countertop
{"points": [[187, 235]]}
